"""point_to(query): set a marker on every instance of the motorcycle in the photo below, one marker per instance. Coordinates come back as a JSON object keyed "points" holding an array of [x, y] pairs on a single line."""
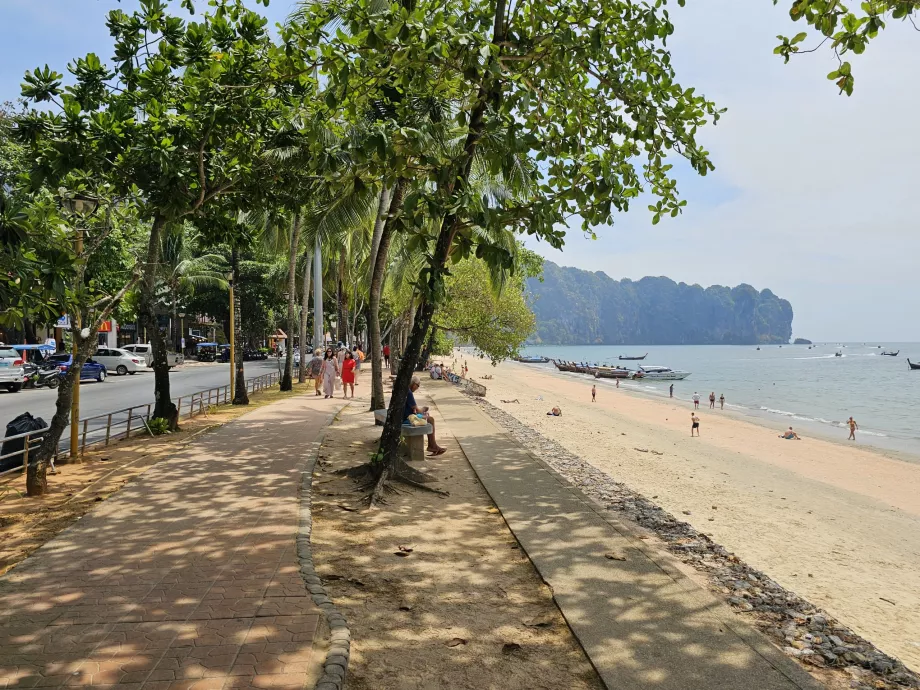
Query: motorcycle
{"points": [[35, 376]]}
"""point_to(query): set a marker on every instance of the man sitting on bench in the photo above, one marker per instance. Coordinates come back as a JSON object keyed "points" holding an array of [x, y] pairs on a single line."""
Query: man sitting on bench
{"points": [[411, 408]]}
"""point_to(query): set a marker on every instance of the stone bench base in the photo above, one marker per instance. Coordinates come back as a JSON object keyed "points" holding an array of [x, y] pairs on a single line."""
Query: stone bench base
{"points": [[412, 436]]}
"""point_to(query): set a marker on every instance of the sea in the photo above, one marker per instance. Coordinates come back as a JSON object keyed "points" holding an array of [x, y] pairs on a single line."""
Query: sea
{"points": [[812, 390]]}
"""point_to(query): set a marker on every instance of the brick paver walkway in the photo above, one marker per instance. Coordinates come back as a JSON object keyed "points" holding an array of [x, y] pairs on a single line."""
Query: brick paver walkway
{"points": [[188, 578]]}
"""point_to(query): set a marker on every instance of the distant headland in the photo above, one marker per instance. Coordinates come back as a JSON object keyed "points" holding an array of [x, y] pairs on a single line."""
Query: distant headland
{"points": [[577, 307]]}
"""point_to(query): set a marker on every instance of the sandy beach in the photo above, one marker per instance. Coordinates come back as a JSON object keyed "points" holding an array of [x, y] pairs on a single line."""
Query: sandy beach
{"points": [[838, 524]]}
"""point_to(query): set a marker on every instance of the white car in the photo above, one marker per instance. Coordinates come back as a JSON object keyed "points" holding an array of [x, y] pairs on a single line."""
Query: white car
{"points": [[11, 370], [120, 361], [145, 350]]}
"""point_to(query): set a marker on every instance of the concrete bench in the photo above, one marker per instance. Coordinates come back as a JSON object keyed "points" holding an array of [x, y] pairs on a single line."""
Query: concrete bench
{"points": [[413, 436]]}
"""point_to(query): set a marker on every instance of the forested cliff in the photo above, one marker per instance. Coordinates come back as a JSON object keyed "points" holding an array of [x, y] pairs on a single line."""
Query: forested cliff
{"points": [[576, 307]]}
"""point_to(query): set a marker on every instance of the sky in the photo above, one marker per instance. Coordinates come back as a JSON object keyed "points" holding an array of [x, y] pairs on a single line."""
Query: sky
{"points": [[814, 194]]}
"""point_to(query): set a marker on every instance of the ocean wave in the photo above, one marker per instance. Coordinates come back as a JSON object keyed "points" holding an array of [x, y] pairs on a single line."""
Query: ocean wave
{"points": [[779, 412]]}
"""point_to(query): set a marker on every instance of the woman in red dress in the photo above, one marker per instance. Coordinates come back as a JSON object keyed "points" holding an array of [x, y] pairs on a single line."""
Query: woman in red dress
{"points": [[348, 374]]}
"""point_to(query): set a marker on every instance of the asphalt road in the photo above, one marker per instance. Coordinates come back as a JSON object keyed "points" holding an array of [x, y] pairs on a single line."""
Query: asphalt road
{"points": [[119, 392]]}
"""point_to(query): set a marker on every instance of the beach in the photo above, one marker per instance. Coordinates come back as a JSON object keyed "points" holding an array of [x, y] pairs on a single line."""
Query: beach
{"points": [[836, 523]]}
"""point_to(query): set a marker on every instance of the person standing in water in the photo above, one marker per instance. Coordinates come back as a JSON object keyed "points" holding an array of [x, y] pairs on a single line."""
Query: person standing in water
{"points": [[712, 400], [721, 401], [593, 393], [853, 427], [672, 390], [695, 424]]}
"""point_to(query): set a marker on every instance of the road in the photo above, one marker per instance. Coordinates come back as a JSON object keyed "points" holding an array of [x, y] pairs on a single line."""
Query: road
{"points": [[119, 392]]}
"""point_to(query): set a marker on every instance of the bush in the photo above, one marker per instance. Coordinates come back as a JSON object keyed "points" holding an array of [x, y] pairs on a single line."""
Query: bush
{"points": [[157, 426]]}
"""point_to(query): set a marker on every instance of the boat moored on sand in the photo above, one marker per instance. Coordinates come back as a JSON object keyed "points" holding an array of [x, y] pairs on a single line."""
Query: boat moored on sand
{"points": [[661, 373], [532, 360], [611, 372]]}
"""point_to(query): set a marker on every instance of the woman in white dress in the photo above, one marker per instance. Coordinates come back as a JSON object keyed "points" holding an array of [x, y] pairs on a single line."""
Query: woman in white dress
{"points": [[330, 373]]}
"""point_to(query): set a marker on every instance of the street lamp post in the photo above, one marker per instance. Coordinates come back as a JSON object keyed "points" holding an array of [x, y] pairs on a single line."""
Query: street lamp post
{"points": [[81, 206]]}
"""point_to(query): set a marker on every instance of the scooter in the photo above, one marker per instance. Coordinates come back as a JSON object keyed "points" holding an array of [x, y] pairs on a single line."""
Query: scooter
{"points": [[35, 376]]}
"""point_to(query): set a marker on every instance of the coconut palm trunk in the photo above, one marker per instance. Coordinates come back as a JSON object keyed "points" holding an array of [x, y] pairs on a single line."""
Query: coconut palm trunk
{"points": [[304, 314], [378, 269], [318, 331], [287, 380]]}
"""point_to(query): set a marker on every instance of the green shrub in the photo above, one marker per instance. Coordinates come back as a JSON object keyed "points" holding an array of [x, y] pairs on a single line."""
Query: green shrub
{"points": [[157, 426]]}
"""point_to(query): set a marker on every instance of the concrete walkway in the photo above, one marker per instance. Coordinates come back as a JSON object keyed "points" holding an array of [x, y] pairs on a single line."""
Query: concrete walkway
{"points": [[642, 623], [187, 578]]}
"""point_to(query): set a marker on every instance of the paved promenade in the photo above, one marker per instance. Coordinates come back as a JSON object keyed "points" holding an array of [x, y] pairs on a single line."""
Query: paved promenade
{"points": [[642, 623], [188, 578]]}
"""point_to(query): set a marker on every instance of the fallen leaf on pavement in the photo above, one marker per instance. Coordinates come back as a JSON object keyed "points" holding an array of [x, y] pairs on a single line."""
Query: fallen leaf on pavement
{"points": [[456, 642], [615, 556]]}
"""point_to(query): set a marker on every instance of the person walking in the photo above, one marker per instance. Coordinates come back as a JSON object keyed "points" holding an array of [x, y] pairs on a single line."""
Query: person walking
{"points": [[853, 427], [721, 401], [593, 393], [696, 400], [330, 373], [349, 365], [694, 424], [315, 370], [712, 400], [618, 383], [386, 356], [672, 390]]}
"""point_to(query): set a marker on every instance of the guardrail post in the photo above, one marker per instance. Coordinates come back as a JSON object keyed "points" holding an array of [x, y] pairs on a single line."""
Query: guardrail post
{"points": [[108, 429], [130, 417], [201, 402], [25, 457], [83, 445], [179, 409]]}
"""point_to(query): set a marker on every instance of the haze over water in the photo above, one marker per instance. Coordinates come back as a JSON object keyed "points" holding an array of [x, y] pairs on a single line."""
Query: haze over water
{"points": [[811, 390]]}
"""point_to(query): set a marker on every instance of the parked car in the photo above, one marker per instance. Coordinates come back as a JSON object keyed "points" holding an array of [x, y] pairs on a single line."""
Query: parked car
{"points": [[11, 369], [174, 359], [91, 371], [120, 361]]}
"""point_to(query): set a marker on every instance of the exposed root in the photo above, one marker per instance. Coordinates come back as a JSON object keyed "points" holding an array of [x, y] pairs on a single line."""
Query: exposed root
{"points": [[399, 471]]}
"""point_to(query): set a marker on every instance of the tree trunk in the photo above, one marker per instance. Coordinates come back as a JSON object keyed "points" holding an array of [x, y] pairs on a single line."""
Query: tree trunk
{"points": [[341, 327], [383, 206], [163, 406], [287, 380], [240, 394], [378, 269], [304, 314], [318, 325]]}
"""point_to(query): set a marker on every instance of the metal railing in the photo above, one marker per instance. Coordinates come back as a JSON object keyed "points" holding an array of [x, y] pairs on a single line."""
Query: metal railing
{"points": [[111, 426]]}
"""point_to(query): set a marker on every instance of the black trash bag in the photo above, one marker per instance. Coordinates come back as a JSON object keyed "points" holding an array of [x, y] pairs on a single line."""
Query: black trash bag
{"points": [[20, 425]]}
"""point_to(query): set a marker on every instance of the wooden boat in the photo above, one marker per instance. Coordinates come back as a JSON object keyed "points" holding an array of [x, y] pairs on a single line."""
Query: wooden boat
{"points": [[563, 366], [890, 354], [633, 358], [611, 373], [581, 368], [912, 365], [531, 360]]}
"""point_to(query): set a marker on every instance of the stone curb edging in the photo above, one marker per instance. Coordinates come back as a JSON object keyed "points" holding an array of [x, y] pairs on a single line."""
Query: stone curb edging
{"points": [[336, 664]]}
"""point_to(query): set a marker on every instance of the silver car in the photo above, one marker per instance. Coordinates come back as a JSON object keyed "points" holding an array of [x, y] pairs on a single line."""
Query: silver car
{"points": [[120, 361], [145, 350], [11, 370]]}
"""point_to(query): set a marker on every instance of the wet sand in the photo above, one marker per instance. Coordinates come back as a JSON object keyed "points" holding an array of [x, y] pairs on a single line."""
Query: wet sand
{"points": [[838, 524]]}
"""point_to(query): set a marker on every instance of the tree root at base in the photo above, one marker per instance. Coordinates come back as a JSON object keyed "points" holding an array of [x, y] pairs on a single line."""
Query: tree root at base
{"points": [[378, 482]]}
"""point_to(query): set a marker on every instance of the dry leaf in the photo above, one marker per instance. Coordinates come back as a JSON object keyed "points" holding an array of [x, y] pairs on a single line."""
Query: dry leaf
{"points": [[405, 607], [348, 508], [456, 642], [407, 549], [615, 556], [493, 510]]}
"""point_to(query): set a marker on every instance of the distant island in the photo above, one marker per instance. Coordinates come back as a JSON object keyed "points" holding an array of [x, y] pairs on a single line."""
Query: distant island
{"points": [[576, 307], [801, 341]]}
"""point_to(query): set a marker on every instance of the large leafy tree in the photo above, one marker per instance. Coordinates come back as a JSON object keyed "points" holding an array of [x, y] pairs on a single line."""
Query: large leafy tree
{"points": [[843, 29], [182, 118], [585, 88]]}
